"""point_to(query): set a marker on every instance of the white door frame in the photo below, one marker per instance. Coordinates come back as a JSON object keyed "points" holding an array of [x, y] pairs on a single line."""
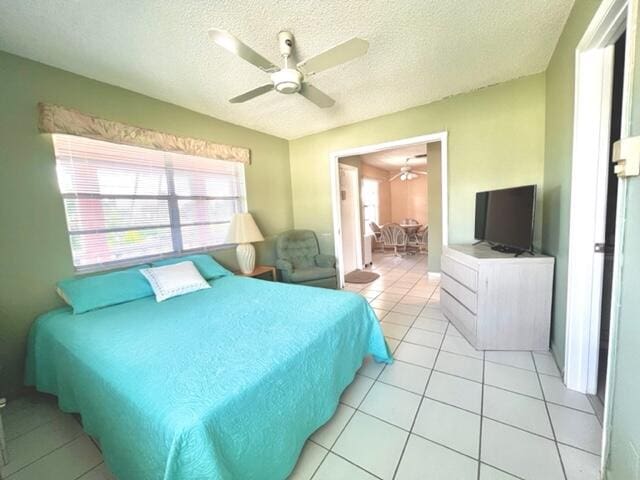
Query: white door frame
{"points": [[356, 209], [335, 186], [590, 161]]}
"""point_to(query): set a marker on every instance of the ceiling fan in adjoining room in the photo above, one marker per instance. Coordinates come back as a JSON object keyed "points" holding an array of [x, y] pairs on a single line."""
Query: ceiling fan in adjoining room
{"points": [[291, 78], [407, 172]]}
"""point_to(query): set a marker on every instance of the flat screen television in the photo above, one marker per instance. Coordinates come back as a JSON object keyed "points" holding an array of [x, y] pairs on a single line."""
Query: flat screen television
{"points": [[504, 218]]}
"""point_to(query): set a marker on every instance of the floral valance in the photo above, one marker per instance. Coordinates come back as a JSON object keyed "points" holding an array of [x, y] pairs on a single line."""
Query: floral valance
{"points": [[58, 119]]}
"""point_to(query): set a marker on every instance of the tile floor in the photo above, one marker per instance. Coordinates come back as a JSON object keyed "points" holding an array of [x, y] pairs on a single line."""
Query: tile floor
{"points": [[442, 410]]}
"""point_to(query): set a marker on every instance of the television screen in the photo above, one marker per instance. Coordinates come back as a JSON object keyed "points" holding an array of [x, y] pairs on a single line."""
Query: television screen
{"points": [[505, 217]]}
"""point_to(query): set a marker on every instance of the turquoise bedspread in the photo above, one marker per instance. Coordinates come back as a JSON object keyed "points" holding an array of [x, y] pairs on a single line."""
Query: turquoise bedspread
{"points": [[223, 383]]}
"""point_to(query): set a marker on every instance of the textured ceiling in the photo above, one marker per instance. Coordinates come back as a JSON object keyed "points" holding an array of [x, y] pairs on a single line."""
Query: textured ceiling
{"points": [[394, 158], [420, 50]]}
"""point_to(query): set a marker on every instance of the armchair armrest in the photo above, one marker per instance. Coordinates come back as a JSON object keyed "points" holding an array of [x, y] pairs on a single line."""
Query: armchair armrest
{"points": [[325, 260], [286, 268]]}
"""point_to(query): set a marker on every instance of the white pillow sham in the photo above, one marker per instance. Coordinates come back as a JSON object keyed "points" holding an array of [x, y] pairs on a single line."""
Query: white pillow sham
{"points": [[173, 280]]}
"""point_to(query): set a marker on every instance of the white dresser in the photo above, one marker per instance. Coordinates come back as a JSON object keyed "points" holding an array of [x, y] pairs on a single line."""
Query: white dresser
{"points": [[496, 300]]}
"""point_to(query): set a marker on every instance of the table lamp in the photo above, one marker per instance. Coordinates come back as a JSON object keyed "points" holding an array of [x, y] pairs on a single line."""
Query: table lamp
{"points": [[243, 230]]}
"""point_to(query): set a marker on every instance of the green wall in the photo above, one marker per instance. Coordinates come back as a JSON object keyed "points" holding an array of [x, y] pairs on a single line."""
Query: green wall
{"points": [[496, 139], [34, 245], [557, 165], [624, 460]]}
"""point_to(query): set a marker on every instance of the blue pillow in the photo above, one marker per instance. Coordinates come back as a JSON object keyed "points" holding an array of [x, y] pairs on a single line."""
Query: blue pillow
{"points": [[98, 291], [205, 264]]}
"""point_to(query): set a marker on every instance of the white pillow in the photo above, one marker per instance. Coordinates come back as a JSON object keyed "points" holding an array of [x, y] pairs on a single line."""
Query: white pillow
{"points": [[173, 280]]}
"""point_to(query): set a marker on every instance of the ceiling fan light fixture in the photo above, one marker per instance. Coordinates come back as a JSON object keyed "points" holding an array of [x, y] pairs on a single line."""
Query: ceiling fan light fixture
{"points": [[287, 81]]}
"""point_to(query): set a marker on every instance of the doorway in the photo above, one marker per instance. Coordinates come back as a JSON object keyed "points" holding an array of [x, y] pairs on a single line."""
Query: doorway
{"points": [[350, 217], [603, 93], [342, 237], [608, 248]]}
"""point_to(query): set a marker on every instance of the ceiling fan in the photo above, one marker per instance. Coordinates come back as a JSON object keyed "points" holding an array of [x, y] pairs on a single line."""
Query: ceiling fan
{"points": [[290, 79], [407, 172]]}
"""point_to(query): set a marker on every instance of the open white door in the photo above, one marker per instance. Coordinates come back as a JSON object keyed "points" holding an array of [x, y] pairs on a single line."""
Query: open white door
{"points": [[350, 218]]}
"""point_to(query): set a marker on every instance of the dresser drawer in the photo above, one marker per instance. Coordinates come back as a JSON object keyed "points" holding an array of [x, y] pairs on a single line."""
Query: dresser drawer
{"points": [[461, 293], [463, 274], [462, 318]]}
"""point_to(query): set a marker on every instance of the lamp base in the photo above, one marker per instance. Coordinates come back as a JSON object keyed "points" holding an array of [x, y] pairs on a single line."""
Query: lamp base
{"points": [[246, 255]]}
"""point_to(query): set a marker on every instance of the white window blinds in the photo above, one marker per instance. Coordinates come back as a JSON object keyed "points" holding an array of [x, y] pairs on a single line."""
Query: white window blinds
{"points": [[125, 204]]}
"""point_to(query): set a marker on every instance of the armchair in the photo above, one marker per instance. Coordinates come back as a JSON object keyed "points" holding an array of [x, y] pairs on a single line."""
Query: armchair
{"points": [[300, 261]]}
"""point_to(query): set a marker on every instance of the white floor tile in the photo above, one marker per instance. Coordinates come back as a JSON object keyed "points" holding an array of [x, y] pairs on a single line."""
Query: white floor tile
{"points": [[329, 432], [393, 330], [513, 359], [409, 300], [407, 376], [400, 318], [520, 453], [431, 324], [101, 472], [460, 346], [389, 297], [449, 426], [372, 444], [380, 313], [382, 304], [576, 428], [511, 378], [490, 473], [308, 461], [355, 393], [416, 354], [412, 310], [555, 391], [70, 461], [517, 410], [546, 364], [33, 445], [432, 312], [335, 468], [426, 460], [392, 343], [423, 337], [455, 391], [370, 368], [391, 404], [580, 465], [467, 367]]}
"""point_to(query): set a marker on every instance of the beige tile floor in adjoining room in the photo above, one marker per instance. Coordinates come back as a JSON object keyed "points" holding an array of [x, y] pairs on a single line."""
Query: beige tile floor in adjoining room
{"points": [[441, 411]]}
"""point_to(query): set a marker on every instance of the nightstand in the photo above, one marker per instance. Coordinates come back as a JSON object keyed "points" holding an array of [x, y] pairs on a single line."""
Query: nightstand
{"points": [[259, 271]]}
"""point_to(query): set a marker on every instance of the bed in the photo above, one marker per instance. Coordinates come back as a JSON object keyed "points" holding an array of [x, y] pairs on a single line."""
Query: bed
{"points": [[222, 383]]}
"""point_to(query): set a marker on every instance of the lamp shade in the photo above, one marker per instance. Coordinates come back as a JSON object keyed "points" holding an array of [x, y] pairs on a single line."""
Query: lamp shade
{"points": [[243, 229]]}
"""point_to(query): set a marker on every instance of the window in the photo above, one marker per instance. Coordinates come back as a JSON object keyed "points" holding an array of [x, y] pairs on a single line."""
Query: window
{"points": [[124, 203], [370, 201]]}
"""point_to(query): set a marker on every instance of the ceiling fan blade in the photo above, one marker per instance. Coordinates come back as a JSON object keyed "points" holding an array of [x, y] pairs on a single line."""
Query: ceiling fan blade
{"points": [[395, 176], [235, 46], [342, 53], [316, 96], [420, 155], [419, 171], [252, 93]]}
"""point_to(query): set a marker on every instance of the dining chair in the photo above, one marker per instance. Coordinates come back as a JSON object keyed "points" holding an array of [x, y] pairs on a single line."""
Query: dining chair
{"points": [[394, 236], [423, 240]]}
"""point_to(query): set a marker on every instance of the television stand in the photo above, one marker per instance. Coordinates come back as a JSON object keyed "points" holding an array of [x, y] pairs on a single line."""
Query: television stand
{"points": [[495, 300]]}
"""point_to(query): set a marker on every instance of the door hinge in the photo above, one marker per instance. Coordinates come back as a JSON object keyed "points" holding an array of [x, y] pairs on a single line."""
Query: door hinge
{"points": [[626, 156]]}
